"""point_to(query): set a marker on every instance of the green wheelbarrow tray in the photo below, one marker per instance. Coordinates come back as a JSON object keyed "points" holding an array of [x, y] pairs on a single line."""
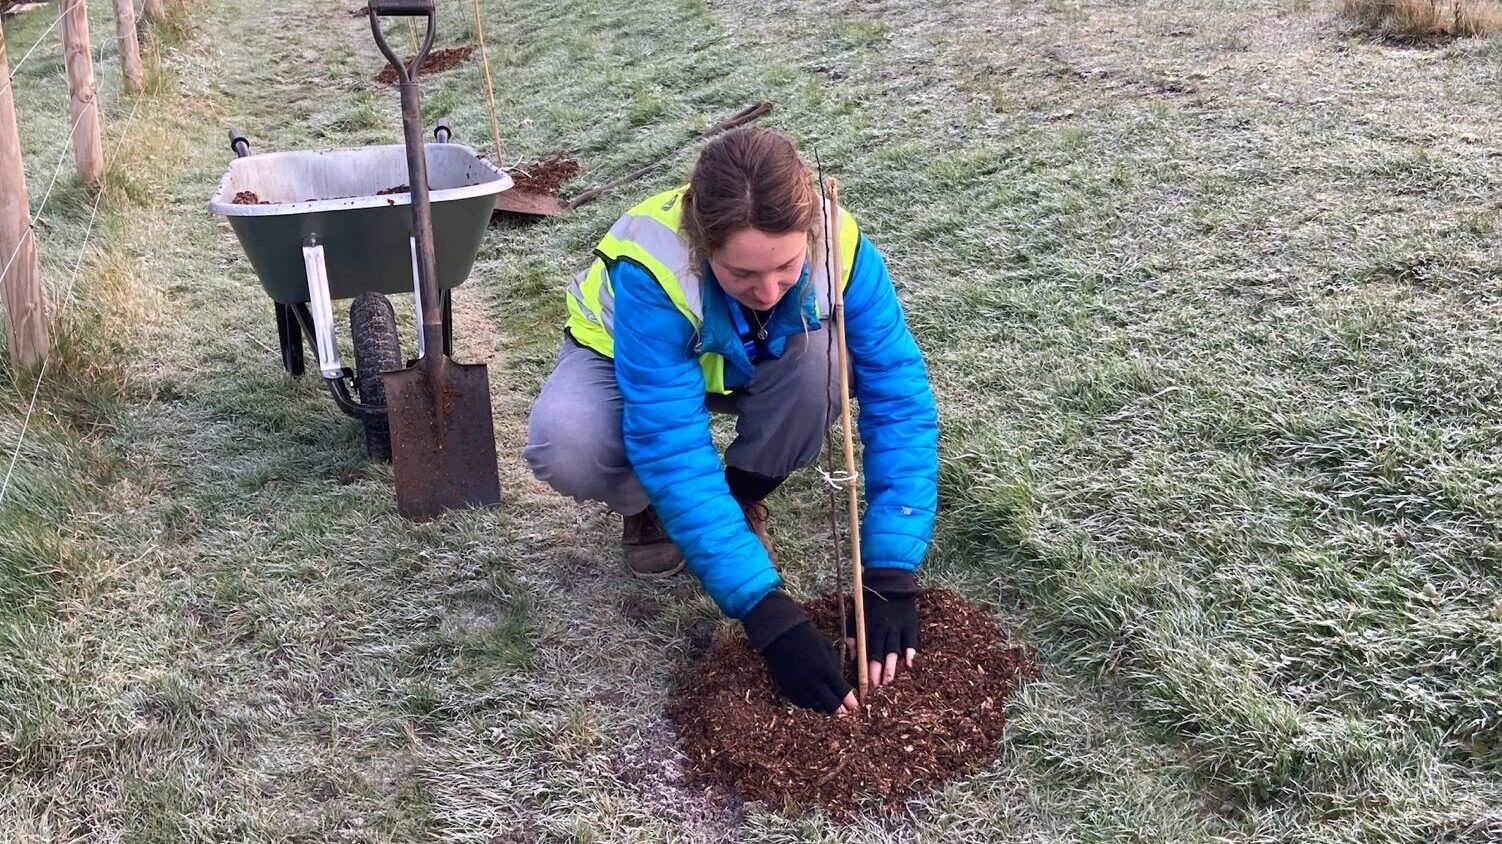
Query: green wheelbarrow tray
{"points": [[343, 199]]}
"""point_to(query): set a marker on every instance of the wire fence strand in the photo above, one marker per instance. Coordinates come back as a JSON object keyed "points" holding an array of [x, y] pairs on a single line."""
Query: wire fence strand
{"points": [[17, 66], [56, 171], [67, 298]]}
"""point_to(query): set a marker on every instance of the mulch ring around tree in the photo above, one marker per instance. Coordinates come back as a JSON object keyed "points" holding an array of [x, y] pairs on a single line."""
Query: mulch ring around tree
{"points": [[545, 176], [939, 721], [435, 61]]}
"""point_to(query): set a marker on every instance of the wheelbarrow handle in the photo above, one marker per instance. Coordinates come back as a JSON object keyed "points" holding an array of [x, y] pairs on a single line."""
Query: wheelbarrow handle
{"points": [[403, 8], [238, 144], [443, 131]]}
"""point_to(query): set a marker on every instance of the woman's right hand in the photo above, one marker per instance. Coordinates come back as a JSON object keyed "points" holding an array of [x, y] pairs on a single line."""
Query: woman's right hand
{"points": [[805, 667], [802, 662]]}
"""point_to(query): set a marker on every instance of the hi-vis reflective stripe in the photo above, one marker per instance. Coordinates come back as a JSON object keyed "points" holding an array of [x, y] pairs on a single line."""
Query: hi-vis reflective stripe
{"points": [[662, 252], [646, 240], [593, 327], [649, 235]]}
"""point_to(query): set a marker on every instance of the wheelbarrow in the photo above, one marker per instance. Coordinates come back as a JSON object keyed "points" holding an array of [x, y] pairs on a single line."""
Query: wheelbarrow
{"points": [[326, 225]]}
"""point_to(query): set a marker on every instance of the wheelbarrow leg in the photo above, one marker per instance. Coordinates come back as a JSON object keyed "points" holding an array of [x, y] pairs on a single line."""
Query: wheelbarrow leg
{"points": [[290, 337], [303, 317]]}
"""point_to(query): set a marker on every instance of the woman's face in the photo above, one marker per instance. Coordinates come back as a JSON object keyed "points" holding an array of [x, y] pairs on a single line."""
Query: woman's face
{"points": [[757, 268]]}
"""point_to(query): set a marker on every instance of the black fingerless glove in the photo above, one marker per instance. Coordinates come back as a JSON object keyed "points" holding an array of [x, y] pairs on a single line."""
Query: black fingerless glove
{"points": [[891, 617], [801, 660]]}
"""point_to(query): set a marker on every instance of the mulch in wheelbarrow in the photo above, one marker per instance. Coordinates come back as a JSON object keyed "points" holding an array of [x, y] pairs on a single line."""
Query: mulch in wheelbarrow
{"points": [[941, 720]]}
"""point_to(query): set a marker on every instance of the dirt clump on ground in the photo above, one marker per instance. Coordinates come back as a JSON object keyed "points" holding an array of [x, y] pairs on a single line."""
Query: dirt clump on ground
{"points": [[436, 61], [248, 197], [545, 176], [940, 720]]}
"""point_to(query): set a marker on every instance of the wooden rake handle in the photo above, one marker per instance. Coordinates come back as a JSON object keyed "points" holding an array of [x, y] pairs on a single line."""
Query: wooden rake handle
{"points": [[740, 118]]}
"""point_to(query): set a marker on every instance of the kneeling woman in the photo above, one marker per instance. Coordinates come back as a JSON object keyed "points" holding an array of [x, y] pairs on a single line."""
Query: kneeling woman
{"points": [[714, 296]]}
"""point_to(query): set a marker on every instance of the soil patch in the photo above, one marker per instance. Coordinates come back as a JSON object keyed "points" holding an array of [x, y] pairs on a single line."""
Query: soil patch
{"points": [[640, 608], [397, 189], [941, 720], [545, 176], [248, 197], [436, 61]]}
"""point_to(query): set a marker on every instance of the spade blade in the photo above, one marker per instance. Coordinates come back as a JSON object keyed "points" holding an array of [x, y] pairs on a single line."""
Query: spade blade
{"points": [[442, 438]]}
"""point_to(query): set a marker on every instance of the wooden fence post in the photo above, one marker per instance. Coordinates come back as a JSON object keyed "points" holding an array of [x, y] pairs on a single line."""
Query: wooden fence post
{"points": [[153, 11], [83, 102], [21, 285], [130, 45]]}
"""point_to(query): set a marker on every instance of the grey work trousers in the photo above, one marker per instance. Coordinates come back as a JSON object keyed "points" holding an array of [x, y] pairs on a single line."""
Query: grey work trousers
{"points": [[575, 444]]}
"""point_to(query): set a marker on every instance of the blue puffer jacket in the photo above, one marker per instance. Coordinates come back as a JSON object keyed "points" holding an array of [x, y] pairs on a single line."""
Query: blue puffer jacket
{"points": [[668, 440]]}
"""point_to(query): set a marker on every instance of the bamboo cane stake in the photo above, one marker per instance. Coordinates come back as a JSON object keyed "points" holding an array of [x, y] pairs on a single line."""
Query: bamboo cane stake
{"points": [[495, 121], [852, 487]]}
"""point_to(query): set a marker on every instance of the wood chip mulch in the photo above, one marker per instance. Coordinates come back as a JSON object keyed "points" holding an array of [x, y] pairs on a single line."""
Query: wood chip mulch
{"points": [[435, 61], [940, 721]]}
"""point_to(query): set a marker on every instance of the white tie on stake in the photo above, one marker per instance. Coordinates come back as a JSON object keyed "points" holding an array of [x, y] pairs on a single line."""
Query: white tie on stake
{"points": [[839, 478]]}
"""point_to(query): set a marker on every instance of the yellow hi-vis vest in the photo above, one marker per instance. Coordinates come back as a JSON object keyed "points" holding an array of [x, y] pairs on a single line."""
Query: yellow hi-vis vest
{"points": [[650, 235]]}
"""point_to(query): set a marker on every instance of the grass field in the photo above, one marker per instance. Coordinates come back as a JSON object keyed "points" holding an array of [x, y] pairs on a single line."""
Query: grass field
{"points": [[1209, 293]]}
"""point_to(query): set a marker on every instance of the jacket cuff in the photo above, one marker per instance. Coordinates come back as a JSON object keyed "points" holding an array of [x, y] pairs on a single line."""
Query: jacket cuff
{"points": [[773, 616], [890, 582]]}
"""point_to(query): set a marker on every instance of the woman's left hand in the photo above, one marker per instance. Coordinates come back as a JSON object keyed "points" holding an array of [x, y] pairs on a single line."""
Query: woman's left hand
{"points": [[891, 622]]}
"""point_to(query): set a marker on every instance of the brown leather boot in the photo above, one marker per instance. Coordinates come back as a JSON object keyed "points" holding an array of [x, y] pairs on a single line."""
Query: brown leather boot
{"points": [[648, 551], [757, 514]]}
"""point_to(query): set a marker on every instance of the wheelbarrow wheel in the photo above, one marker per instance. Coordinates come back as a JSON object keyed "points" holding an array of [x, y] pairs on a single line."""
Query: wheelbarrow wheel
{"points": [[372, 323]]}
